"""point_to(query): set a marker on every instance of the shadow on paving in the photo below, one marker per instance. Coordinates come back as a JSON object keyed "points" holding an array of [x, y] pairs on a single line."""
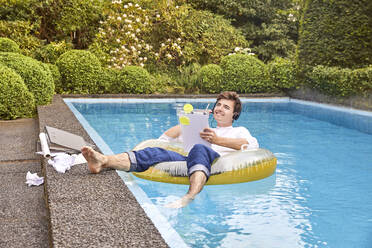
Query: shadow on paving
{"points": [[23, 214]]}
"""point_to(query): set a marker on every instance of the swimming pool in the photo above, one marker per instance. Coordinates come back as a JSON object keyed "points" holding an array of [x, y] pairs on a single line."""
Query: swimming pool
{"points": [[319, 196]]}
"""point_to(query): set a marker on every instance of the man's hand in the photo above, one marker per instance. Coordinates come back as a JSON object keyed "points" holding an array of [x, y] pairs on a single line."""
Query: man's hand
{"points": [[209, 135]]}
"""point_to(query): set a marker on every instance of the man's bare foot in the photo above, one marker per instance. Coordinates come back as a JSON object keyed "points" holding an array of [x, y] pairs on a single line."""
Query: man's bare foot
{"points": [[96, 160], [180, 203]]}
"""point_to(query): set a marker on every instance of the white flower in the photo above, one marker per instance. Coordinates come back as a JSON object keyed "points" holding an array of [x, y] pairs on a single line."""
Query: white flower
{"points": [[142, 65], [138, 19], [162, 45], [177, 7], [140, 58], [136, 5], [133, 35], [156, 54], [138, 30], [129, 26], [118, 40], [133, 48], [125, 15], [130, 4], [139, 46], [179, 39], [169, 56], [169, 40], [125, 6], [157, 16], [145, 58], [119, 18], [237, 49], [250, 53]]}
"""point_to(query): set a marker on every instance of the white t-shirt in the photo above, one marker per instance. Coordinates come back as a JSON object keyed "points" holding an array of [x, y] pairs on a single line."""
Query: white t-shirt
{"points": [[227, 132]]}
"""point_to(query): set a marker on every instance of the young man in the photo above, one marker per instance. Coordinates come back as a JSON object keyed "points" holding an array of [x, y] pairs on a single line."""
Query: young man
{"points": [[224, 139]]}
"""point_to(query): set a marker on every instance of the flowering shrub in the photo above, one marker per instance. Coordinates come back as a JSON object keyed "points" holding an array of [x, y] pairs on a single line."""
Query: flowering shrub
{"points": [[120, 40]]}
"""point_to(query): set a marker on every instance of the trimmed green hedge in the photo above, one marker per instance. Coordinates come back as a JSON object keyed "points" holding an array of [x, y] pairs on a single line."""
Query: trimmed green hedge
{"points": [[15, 98], [80, 71], [8, 45], [133, 80], [244, 74], [35, 74], [336, 33], [282, 74], [336, 81], [210, 78]]}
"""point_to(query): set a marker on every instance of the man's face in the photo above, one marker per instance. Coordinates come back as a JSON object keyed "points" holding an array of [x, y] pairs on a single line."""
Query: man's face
{"points": [[223, 112]]}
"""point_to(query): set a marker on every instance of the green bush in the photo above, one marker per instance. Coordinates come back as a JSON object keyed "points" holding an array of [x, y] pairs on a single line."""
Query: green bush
{"points": [[57, 79], [210, 78], [21, 32], [36, 76], [341, 82], [15, 98], [8, 45], [282, 74], [244, 74], [51, 52], [80, 71], [133, 80], [336, 33]]}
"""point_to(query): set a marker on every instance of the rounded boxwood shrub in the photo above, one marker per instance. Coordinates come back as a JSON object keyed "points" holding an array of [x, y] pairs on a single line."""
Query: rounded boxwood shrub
{"points": [[282, 74], [56, 78], [133, 80], [8, 45], [244, 74], [36, 76], [210, 78], [80, 72], [15, 98]]}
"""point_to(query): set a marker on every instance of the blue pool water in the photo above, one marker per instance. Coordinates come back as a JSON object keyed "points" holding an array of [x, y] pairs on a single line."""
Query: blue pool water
{"points": [[320, 195]]}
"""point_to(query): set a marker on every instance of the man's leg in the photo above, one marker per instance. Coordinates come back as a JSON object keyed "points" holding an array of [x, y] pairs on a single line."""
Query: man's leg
{"points": [[97, 161], [130, 161], [199, 163]]}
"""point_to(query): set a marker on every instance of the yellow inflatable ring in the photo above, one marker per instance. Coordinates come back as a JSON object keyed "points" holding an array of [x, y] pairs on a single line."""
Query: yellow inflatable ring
{"points": [[236, 167]]}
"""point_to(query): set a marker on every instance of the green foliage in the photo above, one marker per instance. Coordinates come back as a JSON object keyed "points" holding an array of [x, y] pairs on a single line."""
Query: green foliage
{"points": [[336, 33], [57, 79], [342, 82], [282, 73], [270, 26], [184, 35], [7, 45], [187, 78], [244, 74], [51, 52], [210, 78], [23, 33], [80, 71], [35, 74], [11, 10], [15, 98], [73, 20], [164, 84], [133, 80]]}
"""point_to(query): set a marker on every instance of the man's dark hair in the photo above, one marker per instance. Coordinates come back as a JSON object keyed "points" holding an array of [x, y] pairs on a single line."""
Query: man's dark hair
{"points": [[232, 95]]}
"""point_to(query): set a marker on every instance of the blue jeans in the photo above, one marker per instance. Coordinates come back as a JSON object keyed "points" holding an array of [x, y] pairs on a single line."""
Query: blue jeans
{"points": [[200, 158]]}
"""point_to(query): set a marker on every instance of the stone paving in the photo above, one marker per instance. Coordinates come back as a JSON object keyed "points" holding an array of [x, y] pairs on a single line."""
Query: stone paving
{"points": [[23, 214]]}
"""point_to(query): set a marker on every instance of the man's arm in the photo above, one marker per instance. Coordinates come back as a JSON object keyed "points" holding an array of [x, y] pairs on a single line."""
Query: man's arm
{"points": [[173, 132], [233, 143]]}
